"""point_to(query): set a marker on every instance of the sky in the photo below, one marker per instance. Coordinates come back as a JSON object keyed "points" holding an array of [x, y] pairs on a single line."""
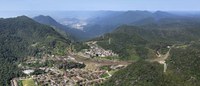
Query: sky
{"points": [[91, 5]]}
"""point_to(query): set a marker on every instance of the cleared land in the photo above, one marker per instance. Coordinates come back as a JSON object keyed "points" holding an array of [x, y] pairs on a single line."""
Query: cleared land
{"points": [[28, 82]]}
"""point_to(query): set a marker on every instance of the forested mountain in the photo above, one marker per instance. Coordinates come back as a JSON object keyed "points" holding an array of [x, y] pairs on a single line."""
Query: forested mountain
{"points": [[101, 22], [182, 70], [66, 31], [107, 22], [140, 43], [130, 17], [47, 20], [136, 18], [99, 26], [126, 39], [21, 37]]}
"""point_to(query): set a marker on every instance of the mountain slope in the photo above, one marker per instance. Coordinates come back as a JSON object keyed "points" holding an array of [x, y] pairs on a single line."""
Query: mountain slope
{"points": [[30, 31], [21, 37], [131, 17], [67, 32], [130, 41], [182, 70], [99, 26], [144, 41], [47, 20]]}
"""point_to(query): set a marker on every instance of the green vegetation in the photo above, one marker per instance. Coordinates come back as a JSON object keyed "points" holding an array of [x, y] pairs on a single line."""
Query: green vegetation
{"points": [[28, 82], [21, 37], [20, 83], [79, 46], [38, 72], [105, 75], [70, 65], [105, 68], [128, 46], [37, 64], [112, 71], [142, 42], [182, 70], [8, 70], [109, 58], [133, 42], [139, 73]]}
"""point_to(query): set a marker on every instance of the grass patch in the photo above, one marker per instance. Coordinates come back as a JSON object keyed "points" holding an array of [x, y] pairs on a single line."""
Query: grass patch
{"points": [[112, 71], [134, 58], [28, 82], [105, 68], [20, 83], [105, 75]]}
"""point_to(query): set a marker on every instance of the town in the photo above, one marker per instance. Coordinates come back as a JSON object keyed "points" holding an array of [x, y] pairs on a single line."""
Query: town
{"points": [[74, 69]]}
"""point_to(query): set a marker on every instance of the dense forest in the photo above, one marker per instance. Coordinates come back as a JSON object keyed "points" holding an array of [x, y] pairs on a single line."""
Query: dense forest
{"points": [[140, 43], [21, 37], [130, 42], [183, 66]]}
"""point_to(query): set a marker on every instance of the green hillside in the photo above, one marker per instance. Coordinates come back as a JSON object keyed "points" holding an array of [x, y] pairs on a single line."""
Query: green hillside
{"points": [[132, 41], [21, 37], [142, 42], [183, 70]]}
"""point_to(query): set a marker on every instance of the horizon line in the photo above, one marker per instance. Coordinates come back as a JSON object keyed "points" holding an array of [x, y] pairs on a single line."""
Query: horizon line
{"points": [[110, 10]]}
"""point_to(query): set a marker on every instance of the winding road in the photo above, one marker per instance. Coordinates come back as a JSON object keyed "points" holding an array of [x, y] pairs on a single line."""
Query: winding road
{"points": [[161, 59]]}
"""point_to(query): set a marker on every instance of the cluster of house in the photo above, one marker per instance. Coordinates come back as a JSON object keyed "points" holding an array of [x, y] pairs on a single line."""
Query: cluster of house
{"points": [[72, 77], [96, 51], [53, 76], [85, 77]]}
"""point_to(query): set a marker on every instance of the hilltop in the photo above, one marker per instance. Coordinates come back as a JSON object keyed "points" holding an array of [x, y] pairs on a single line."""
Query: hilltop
{"points": [[21, 37]]}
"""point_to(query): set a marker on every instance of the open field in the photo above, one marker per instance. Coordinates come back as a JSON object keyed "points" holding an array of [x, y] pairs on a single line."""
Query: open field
{"points": [[95, 63], [28, 82]]}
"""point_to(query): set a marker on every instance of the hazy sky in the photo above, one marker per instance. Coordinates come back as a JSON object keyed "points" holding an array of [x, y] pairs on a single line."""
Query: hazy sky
{"points": [[166, 5]]}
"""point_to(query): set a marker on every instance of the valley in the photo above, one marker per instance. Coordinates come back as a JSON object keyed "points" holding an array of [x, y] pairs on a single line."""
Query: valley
{"points": [[104, 48], [69, 70]]}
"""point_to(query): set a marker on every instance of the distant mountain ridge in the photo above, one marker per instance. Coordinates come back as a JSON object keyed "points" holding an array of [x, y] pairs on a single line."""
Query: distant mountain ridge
{"points": [[136, 18], [130, 17], [109, 21], [75, 34], [48, 21]]}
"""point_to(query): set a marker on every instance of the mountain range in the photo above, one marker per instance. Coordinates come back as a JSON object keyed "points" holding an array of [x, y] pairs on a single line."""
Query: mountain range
{"points": [[109, 21], [136, 36], [142, 44]]}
